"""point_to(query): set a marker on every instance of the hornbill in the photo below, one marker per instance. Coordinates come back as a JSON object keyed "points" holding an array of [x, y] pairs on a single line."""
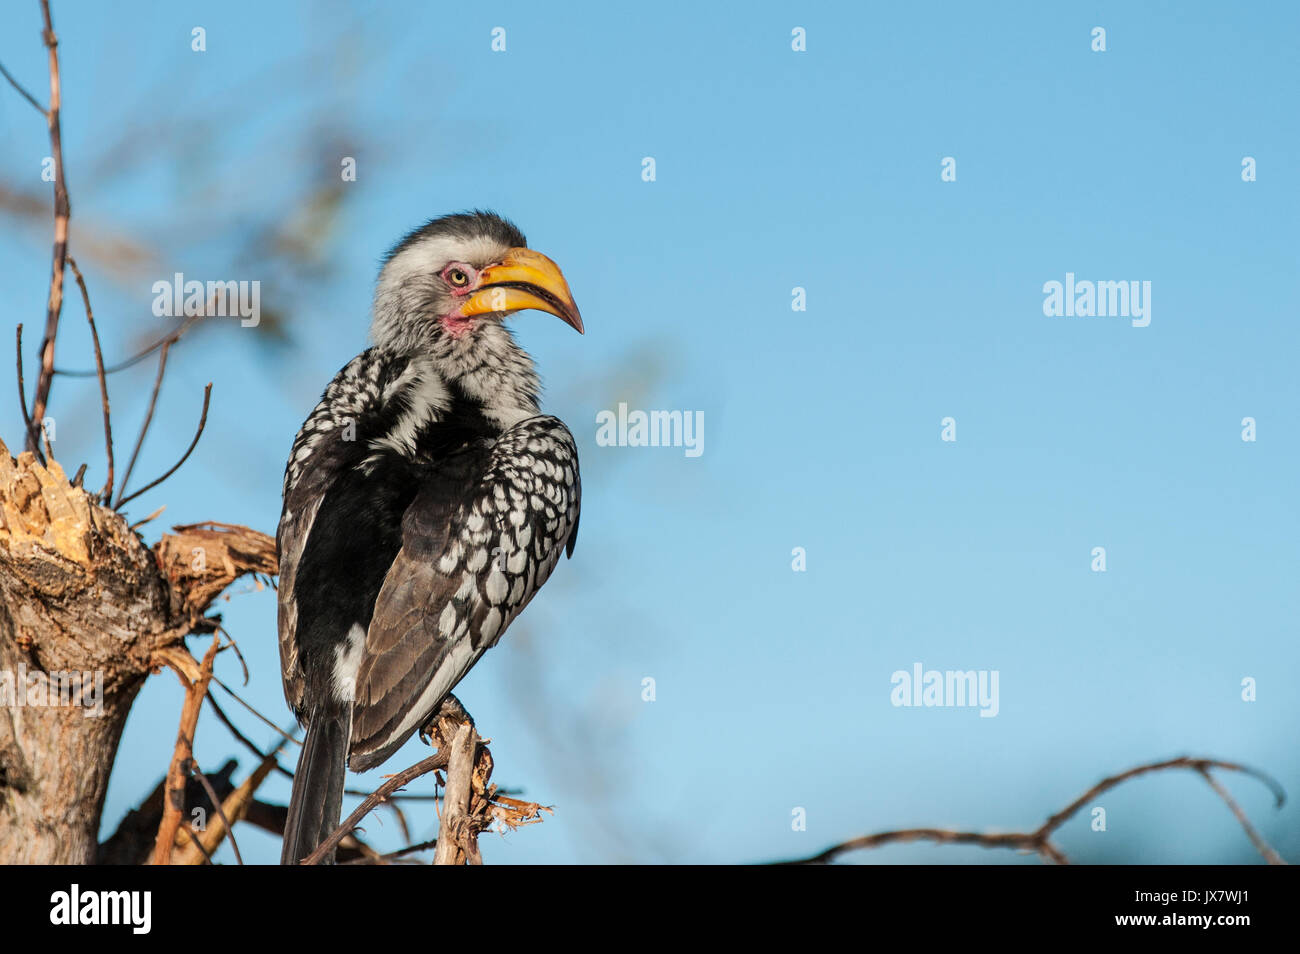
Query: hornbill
{"points": [[426, 501]]}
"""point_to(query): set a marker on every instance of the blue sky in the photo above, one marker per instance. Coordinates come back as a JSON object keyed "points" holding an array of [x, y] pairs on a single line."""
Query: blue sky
{"points": [[775, 169]]}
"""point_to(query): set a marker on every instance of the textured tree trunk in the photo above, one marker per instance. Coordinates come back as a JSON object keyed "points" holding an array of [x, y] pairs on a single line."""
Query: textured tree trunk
{"points": [[84, 608]]}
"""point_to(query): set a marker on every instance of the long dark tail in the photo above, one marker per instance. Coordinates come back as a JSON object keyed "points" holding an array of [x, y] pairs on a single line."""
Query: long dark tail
{"points": [[317, 801]]}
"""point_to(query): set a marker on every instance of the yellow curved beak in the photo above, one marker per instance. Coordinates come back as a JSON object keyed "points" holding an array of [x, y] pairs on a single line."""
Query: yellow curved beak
{"points": [[523, 279]]}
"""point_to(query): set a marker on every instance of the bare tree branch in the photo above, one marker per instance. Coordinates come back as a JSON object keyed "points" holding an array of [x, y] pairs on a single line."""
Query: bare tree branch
{"points": [[245, 741], [107, 493], [195, 843], [247, 705], [203, 420], [144, 426], [1039, 840], [62, 212], [436, 761], [1263, 847], [22, 91], [233, 809], [168, 339], [394, 855], [174, 794], [221, 814], [453, 833], [22, 388]]}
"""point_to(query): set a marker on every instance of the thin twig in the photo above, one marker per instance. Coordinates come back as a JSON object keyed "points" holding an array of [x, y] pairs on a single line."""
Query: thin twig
{"points": [[400, 815], [221, 812], [168, 339], [143, 520], [1181, 762], [243, 739], [1039, 840], [233, 809], [62, 213], [235, 646], [1263, 847], [22, 390], [144, 427], [249, 744], [194, 840], [374, 799], [234, 695], [106, 494], [23, 91], [394, 855], [203, 420]]}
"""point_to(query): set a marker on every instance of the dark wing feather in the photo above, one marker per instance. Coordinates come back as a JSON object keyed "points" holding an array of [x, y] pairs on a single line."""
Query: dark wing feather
{"points": [[324, 448], [481, 537]]}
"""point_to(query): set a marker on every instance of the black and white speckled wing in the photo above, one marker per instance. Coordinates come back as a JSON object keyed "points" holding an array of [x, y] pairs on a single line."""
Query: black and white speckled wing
{"points": [[324, 448], [465, 571]]}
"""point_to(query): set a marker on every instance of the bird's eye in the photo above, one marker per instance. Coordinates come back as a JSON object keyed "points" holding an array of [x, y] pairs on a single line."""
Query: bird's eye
{"points": [[457, 277]]}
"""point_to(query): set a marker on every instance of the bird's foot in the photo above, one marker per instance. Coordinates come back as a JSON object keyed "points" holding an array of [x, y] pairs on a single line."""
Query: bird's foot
{"points": [[440, 728]]}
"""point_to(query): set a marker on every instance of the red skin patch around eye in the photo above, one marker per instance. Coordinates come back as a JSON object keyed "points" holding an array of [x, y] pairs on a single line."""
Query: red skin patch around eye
{"points": [[470, 272], [454, 323]]}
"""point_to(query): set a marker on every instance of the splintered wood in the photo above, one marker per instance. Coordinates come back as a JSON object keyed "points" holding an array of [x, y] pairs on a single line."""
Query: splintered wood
{"points": [[472, 803], [39, 508], [201, 559]]}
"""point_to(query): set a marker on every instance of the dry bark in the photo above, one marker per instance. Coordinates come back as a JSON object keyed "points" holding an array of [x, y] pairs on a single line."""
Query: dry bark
{"points": [[82, 592]]}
